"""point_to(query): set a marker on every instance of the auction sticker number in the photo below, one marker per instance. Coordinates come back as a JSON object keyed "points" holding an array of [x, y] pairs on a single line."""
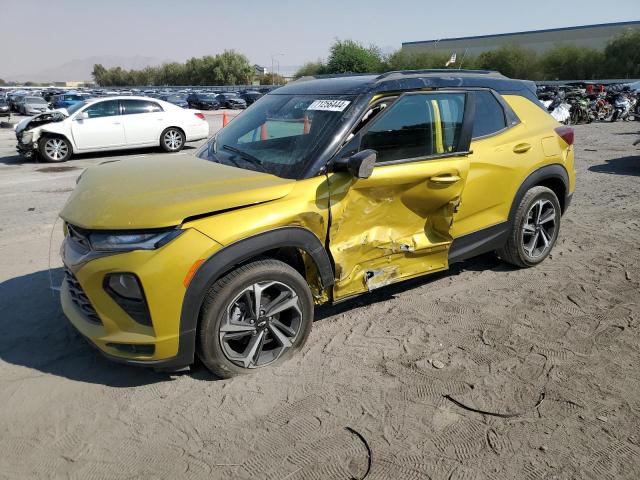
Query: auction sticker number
{"points": [[329, 105]]}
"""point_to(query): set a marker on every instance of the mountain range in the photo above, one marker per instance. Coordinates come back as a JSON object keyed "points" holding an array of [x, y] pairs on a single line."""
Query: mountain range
{"points": [[80, 69]]}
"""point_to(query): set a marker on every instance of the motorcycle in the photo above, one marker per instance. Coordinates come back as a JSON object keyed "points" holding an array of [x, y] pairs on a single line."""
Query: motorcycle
{"points": [[622, 108]]}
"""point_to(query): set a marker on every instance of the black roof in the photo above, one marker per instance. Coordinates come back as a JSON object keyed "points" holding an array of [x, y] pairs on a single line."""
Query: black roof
{"points": [[355, 84]]}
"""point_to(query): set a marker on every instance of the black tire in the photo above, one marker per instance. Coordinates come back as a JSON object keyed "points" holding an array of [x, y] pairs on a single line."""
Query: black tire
{"points": [[225, 295], [515, 250], [48, 152], [172, 139]]}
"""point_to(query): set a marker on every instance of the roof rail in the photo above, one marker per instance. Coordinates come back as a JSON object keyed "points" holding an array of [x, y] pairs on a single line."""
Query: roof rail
{"points": [[428, 71], [330, 75]]}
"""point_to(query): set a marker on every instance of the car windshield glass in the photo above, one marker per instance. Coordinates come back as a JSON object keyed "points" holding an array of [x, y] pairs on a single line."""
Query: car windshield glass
{"points": [[279, 134], [75, 107], [175, 98], [34, 100], [207, 96], [73, 97]]}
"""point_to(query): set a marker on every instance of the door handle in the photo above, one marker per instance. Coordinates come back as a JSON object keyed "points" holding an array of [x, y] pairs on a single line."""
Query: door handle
{"points": [[444, 179], [522, 147]]}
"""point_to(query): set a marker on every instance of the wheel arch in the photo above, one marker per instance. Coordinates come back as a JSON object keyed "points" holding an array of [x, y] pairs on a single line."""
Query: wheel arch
{"points": [[177, 127], [42, 134], [281, 243], [554, 177]]}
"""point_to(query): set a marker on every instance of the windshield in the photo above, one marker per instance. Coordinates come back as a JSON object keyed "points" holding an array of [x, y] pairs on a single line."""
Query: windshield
{"points": [[176, 98], [34, 100], [278, 134], [75, 107]]}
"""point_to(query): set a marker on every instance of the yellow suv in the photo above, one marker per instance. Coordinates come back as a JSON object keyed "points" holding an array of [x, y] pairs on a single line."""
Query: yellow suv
{"points": [[326, 188]]}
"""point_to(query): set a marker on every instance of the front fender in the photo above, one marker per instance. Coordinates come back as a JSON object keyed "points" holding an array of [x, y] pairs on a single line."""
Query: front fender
{"points": [[234, 254]]}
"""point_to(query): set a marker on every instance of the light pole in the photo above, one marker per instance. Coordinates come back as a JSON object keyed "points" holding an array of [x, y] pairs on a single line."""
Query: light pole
{"points": [[273, 56]]}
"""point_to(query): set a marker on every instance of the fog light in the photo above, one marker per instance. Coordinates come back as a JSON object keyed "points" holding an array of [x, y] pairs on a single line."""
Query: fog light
{"points": [[126, 285], [127, 292]]}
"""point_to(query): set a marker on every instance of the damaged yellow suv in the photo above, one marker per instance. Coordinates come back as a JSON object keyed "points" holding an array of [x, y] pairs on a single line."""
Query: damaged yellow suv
{"points": [[324, 189]]}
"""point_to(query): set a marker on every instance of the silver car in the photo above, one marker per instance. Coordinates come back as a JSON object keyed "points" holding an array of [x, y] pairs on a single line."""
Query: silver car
{"points": [[33, 105]]}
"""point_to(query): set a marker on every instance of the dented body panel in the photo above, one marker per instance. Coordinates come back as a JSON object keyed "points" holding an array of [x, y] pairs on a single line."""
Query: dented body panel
{"points": [[393, 225]]}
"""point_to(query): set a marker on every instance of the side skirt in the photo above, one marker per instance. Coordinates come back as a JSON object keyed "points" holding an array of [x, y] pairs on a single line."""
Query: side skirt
{"points": [[479, 242]]}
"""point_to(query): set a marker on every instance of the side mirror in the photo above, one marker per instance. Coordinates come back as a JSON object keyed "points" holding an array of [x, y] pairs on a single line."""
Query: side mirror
{"points": [[82, 116], [360, 164]]}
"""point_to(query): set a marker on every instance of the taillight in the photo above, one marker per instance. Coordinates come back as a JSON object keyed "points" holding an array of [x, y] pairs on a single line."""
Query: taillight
{"points": [[566, 134], [199, 115]]}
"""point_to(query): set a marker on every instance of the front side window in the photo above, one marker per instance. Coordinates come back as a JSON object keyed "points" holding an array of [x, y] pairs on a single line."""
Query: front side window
{"points": [[417, 126], [103, 109], [489, 116], [279, 134], [132, 107]]}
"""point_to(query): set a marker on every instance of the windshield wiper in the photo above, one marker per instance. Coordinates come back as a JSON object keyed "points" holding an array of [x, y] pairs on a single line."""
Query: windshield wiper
{"points": [[245, 156]]}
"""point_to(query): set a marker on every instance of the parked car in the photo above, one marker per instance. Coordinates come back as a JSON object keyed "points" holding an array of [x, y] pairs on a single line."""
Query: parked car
{"points": [[109, 124], [231, 100], [5, 110], [66, 100], [14, 101], [203, 101], [178, 99], [33, 105], [376, 181], [250, 96]]}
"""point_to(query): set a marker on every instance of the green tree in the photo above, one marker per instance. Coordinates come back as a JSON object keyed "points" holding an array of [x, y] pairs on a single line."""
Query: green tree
{"points": [[569, 62], [347, 56], [271, 79], [2, 82], [232, 68], [512, 61], [310, 69], [622, 55]]}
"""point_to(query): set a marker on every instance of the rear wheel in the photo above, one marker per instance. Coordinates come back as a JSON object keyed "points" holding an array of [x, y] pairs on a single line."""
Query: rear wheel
{"points": [[55, 149], [535, 229], [257, 315], [172, 139]]}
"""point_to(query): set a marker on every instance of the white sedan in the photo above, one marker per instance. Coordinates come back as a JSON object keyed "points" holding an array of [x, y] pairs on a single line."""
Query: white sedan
{"points": [[113, 123]]}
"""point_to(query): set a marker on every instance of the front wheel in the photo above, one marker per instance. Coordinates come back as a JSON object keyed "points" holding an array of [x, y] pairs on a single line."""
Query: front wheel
{"points": [[172, 139], [55, 149], [535, 229], [257, 315]]}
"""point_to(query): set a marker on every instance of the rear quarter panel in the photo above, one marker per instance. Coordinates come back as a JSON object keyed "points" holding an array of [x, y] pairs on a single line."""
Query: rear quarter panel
{"points": [[496, 171]]}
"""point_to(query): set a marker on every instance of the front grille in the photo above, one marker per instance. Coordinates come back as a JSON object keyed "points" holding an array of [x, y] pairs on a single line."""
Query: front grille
{"points": [[80, 299], [79, 235]]}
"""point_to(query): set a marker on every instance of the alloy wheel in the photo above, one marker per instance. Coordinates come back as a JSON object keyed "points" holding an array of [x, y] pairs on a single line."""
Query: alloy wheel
{"points": [[539, 229], [173, 139], [260, 324], [56, 148]]}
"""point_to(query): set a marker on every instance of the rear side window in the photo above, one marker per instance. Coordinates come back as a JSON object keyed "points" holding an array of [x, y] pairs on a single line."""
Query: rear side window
{"points": [[417, 125], [103, 109], [490, 116], [132, 107]]}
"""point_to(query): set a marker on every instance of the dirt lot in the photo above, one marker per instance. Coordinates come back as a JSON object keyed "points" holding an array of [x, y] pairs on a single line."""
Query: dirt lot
{"points": [[539, 374]]}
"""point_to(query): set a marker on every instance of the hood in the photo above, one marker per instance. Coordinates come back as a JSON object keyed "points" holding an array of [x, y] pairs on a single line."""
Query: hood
{"points": [[40, 119], [156, 192]]}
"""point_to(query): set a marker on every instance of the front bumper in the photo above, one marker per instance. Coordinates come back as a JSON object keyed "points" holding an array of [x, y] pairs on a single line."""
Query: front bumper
{"points": [[25, 149], [111, 329]]}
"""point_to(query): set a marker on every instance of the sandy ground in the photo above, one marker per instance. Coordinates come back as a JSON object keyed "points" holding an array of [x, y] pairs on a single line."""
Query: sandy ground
{"points": [[550, 355]]}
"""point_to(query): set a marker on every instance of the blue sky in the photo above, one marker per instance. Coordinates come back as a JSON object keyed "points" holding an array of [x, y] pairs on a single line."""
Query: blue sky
{"points": [[42, 33]]}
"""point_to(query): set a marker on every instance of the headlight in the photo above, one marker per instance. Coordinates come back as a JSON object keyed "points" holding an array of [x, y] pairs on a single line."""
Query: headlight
{"points": [[27, 137], [124, 241]]}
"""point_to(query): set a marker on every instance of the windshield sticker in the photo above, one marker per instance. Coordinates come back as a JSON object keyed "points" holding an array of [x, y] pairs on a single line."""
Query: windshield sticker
{"points": [[329, 105]]}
